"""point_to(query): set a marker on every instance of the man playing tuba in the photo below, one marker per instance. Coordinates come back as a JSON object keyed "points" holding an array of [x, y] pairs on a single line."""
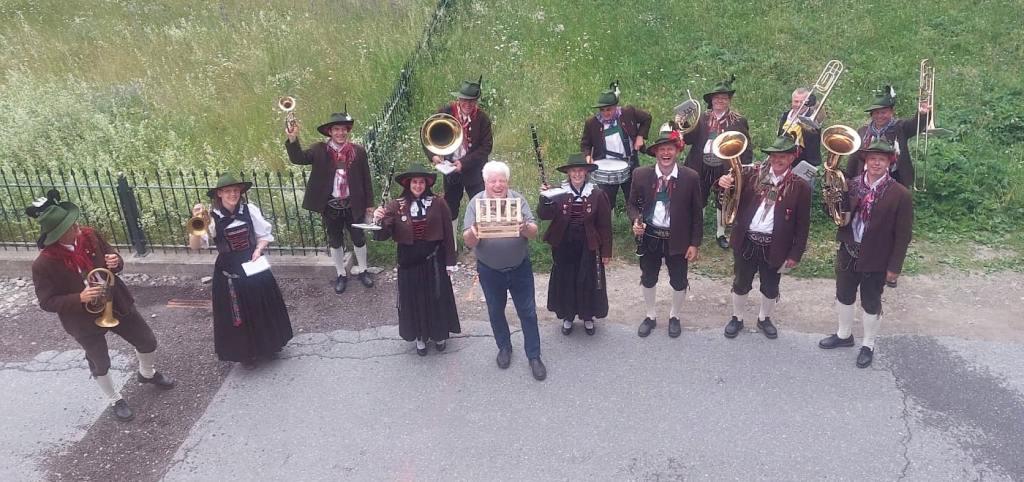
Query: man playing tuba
{"points": [[69, 253], [770, 234]]}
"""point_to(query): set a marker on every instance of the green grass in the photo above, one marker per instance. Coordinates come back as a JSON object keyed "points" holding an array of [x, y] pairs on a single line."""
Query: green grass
{"points": [[134, 83], [544, 62]]}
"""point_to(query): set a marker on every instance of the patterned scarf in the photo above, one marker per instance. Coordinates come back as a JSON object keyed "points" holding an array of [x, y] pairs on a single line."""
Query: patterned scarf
{"points": [[869, 196], [77, 260], [717, 125], [873, 133], [608, 123], [342, 154]]}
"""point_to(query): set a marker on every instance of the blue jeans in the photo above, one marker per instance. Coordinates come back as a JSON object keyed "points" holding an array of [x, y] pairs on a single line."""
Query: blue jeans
{"points": [[519, 282]]}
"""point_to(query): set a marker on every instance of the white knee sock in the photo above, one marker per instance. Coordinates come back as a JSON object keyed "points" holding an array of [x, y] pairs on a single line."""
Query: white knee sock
{"points": [[719, 229], [677, 303], [147, 363], [871, 325], [456, 233], [360, 259], [107, 386], [420, 344], [338, 256], [767, 305], [738, 303], [567, 324], [649, 297], [845, 320]]}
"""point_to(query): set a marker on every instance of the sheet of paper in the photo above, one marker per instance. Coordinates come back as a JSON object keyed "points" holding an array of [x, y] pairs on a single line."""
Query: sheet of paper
{"points": [[805, 170], [252, 267], [445, 167]]}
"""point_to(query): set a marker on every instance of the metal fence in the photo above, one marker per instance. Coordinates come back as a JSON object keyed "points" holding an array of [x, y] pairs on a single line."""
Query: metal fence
{"points": [[144, 212]]}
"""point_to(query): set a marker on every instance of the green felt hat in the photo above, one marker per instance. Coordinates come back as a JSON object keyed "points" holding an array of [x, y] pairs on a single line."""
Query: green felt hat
{"points": [[782, 143], [469, 90], [606, 99], [884, 97], [337, 118], [723, 87], [577, 160], [881, 145], [227, 179], [54, 218], [416, 170]]}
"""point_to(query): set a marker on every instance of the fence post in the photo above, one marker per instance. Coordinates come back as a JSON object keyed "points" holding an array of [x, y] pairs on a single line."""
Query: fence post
{"points": [[132, 220]]}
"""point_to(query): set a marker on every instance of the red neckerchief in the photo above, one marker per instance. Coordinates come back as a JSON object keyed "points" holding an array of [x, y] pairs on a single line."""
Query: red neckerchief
{"points": [[870, 196], [658, 182], [78, 260], [343, 154], [469, 116]]}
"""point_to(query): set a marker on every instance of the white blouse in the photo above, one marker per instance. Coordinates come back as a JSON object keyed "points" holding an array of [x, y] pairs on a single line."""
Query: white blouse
{"points": [[261, 227]]}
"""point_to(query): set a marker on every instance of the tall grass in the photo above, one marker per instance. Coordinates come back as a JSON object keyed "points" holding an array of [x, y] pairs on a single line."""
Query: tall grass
{"points": [[134, 83], [544, 62]]}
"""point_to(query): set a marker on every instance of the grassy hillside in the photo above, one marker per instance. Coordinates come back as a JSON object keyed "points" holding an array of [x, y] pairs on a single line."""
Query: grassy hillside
{"points": [[121, 83], [544, 62]]}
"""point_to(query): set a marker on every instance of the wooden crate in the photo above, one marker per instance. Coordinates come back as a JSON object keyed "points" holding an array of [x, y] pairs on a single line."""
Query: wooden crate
{"points": [[498, 217]]}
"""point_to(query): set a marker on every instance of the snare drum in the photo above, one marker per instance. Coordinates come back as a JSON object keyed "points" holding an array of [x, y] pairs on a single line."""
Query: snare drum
{"points": [[610, 171]]}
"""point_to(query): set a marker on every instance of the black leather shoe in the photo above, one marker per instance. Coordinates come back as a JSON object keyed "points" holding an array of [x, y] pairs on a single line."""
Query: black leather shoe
{"points": [[566, 331], [674, 327], [723, 242], [421, 351], [158, 379], [122, 411], [833, 341], [540, 372], [733, 327], [366, 279], [340, 284], [440, 345], [504, 357], [590, 331], [645, 327], [768, 328], [864, 357]]}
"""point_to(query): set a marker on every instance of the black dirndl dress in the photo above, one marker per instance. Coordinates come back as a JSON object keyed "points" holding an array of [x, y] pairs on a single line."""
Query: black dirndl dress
{"points": [[250, 318], [426, 303], [577, 285]]}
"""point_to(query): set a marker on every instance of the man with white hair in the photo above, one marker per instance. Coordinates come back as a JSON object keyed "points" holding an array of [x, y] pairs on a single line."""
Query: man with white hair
{"points": [[503, 266]]}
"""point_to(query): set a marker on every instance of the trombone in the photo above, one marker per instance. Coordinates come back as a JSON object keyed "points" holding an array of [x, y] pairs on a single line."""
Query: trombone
{"points": [[820, 91], [926, 96]]}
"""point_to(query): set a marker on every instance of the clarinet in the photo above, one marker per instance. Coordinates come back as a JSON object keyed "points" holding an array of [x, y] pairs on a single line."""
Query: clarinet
{"points": [[536, 151], [640, 237]]}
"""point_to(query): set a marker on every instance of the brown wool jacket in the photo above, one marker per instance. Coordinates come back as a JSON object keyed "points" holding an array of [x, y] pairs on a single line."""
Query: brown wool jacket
{"points": [[321, 178], [597, 220], [792, 218], [58, 287], [699, 136], [482, 142], [397, 224], [899, 134], [633, 121], [887, 237], [686, 210]]}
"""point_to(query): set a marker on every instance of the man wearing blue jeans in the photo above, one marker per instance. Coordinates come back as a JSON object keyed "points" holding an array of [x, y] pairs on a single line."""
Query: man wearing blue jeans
{"points": [[503, 266]]}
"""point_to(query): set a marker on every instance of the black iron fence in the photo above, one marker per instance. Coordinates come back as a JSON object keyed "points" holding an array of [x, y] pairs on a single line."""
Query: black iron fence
{"points": [[145, 212]]}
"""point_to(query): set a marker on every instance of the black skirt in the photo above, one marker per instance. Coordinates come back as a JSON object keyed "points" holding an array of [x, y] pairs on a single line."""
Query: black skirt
{"points": [[426, 303], [577, 285], [250, 318]]}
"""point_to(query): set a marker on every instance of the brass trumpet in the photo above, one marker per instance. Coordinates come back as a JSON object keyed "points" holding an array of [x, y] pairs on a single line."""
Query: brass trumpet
{"points": [[729, 145], [103, 305], [839, 140], [287, 105], [441, 134]]}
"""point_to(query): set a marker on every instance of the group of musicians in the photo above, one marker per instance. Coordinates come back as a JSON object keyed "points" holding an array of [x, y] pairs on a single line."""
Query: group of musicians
{"points": [[665, 203]]}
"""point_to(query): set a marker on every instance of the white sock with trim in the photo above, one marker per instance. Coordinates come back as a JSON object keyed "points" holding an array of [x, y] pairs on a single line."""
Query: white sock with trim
{"points": [[738, 303], [649, 302], [107, 387], [767, 306], [719, 229], [360, 259], [871, 325], [338, 256], [678, 297], [147, 363], [845, 320]]}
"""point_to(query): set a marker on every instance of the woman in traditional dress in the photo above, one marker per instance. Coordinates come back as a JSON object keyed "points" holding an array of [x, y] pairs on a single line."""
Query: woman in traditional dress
{"points": [[420, 223], [580, 235], [250, 319]]}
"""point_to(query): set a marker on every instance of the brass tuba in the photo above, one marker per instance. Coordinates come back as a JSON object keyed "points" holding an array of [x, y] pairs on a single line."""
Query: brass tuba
{"points": [[729, 145], [287, 105], [103, 305], [441, 134], [840, 141]]}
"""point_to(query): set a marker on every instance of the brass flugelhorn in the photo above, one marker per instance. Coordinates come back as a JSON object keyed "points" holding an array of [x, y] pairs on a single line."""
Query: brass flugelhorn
{"points": [[199, 224], [839, 140], [103, 305], [729, 145], [441, 134], [287, 105]]}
